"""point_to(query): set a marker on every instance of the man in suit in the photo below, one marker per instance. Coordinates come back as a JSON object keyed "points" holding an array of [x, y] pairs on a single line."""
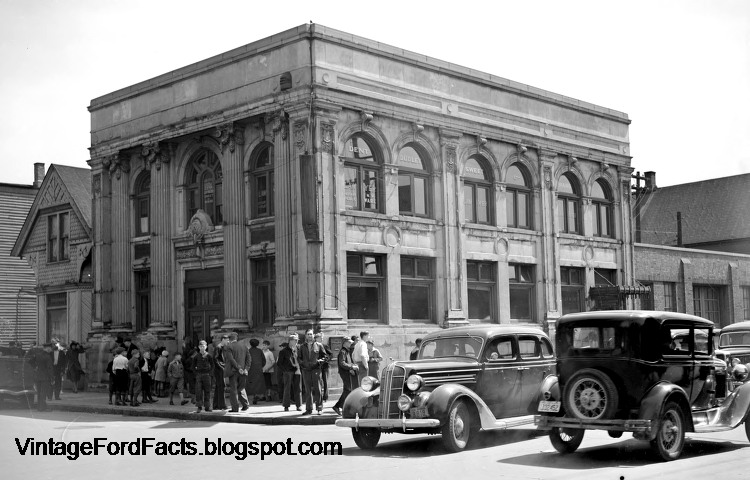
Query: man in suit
{"points": [[59, 366], [347, 372], [41, 360], [288, 366], [237, 363], [324, 367], [311, 356], [219, 364]]}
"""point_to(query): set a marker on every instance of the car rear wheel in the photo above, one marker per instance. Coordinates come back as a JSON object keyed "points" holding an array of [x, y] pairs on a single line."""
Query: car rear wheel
{"points": [[366, 438], [670, 436], [458, 430], [590, 395], [566, 440]]}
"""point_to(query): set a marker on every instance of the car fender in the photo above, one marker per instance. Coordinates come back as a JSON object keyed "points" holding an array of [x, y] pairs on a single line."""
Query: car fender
{"points": [[736, 407], [653, 402], [443, 397], [362, 404], [550, 388]]}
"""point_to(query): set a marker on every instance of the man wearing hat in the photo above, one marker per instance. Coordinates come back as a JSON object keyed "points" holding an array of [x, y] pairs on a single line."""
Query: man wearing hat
{"points": [[289, 368], [41, 360]]}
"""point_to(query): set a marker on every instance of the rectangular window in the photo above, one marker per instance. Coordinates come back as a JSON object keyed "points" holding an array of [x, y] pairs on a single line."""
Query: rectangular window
{"points": [[647, 301], [605, 276], [481, 286], [351, 188], [707, 303], [365, 287], [746, 302], [572, 280], [521, 280], [58, 237], [417, 288], [670, 297], [143, 226], [483, 205], [420, 196], [264, 290], [57, 316], [142, 299], [404, 194], [469, 204]]}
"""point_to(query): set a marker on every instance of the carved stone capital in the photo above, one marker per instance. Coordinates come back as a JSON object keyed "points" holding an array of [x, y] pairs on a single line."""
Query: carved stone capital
{"points": [[229, 135], [117, 163], [450, 157], [157, 154], [300, 135], [279, 123], [326, 137]]}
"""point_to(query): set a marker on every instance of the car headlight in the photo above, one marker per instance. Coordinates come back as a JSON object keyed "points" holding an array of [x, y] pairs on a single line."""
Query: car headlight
{"points": [[369, 383], [414, 383], [404, 402]]}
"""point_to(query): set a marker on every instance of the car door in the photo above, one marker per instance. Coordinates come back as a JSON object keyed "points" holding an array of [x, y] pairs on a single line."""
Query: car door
{"points": [[677, 365], [536, 362], [500, 385]]}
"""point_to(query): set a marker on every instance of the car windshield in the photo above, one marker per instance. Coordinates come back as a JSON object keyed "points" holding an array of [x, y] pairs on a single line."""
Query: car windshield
{"points": [[734, 338], [452, 347]]}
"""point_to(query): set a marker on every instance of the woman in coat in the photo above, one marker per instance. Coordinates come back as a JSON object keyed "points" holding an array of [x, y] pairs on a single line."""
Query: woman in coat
{"points": [[160, 373], [74, 363], [256, 384]]}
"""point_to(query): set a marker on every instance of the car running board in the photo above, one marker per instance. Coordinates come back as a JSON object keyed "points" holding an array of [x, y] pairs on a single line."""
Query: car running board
{"points": [[511, 422]]}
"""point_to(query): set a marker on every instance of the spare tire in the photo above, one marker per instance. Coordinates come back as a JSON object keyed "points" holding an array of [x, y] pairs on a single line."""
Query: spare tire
{"points": [[590, 395]]}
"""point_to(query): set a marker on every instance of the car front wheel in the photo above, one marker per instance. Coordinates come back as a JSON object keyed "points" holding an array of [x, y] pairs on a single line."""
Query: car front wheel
{"points": [[457, 431], [670, 436], [566, 440], [366, 438], [590, 395]]}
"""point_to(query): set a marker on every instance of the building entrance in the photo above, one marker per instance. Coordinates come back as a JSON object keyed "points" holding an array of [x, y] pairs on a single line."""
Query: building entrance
{"points": [[204, 291]]}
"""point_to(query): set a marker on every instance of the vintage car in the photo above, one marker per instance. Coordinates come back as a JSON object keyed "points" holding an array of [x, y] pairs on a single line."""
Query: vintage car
{"points": [[16, 376], [646, 372], [463, 380], [734, 341]]}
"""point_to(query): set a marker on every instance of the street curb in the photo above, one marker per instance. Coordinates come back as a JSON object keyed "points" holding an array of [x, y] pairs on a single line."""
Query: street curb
{"points": [[203, 417]]}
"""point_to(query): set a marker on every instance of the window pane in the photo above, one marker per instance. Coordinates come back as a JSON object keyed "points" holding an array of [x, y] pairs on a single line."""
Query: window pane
{"points": [[527, 347], [510, 207], [472, 271], [564, 186], [604, 215], [407, 267], [351, 188], [523, 209], [572, 216], [261, 195], [404, 194], [420, 196], [409, 158], [571, 299], [372, 266], [354, 264], [424, 269], [415, 302], [264, 158], [364, 301], [520, 303], [474, 169], [483, 205], [371, 190], [515, 176], [561, 208], [469, 203], [358, 148], [480, 303], [487, 272]]}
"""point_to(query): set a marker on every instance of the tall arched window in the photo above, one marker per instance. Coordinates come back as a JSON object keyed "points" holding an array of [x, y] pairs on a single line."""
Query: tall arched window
{"points": [[142, 204], [203, 185], [363, 175], [263, 186], [478, 198], [518, 197], [601, 200], [413, 183], [569, 205]]}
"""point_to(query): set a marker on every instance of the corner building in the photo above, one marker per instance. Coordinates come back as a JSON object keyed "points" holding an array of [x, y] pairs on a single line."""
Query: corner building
{"points": [[315, 178]]}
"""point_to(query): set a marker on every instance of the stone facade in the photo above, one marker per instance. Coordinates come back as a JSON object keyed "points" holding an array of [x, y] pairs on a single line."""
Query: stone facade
{"points": [[317, 179]]}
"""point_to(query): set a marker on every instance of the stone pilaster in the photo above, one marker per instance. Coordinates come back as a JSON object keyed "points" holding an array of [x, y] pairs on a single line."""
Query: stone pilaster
{"points": [[120, 273], [455, 314], [550, 252], [101, 213], [231, 141], [157, 159]]}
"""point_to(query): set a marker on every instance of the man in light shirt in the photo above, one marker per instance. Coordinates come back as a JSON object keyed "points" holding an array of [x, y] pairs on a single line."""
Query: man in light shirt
{"points": [[360, 356]]}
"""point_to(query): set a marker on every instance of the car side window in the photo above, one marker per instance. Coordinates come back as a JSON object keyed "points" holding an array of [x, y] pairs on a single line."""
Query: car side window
{"points": [[500, 349], [546, 348], [676, 341], [700, 340], [528, 347]]}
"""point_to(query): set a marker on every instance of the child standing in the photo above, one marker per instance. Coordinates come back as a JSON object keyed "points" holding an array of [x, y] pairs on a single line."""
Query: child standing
{"points": [[176, 373], [160, 374]]}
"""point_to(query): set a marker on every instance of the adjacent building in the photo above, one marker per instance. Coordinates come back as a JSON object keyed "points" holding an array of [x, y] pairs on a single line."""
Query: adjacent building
{"points": [[319, 179], [18, 307]]}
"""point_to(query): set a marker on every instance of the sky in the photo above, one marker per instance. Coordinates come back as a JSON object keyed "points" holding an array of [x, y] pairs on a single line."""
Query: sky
{"points": [[680, 69]]}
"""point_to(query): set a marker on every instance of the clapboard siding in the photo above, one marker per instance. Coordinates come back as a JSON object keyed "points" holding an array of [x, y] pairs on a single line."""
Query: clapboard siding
{"points": [[18, 305]]}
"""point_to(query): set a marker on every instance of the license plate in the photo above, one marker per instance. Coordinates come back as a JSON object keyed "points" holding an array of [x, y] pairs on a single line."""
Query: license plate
{"points": [[549, 406], [418, 412]]}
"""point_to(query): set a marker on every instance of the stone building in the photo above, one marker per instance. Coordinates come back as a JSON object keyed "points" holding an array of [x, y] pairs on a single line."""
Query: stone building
{"points": [[56, 240], [319, 179], [18, 313]]}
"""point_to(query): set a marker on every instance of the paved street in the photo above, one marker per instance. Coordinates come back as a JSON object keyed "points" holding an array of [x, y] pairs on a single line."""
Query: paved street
{"points": [[519, 453]]}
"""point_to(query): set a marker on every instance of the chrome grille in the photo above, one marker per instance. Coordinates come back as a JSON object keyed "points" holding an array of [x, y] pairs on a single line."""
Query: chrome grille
{"points": [[391, 387]]}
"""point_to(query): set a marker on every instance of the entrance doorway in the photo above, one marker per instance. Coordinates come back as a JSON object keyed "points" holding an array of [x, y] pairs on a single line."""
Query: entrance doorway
{"points": [[204, 297]]}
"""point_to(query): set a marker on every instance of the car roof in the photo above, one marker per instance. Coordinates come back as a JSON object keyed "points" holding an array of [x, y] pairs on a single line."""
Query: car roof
{"points": [[734, 327], [485, 331], [634, 316]]}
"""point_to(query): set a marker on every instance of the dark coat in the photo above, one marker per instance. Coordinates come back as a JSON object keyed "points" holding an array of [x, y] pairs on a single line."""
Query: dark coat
{"points": [[285, 360], [62, 362], [256, 384], [42, 363], [236, 358], [311, 357], [203, 364], [346, 364]]}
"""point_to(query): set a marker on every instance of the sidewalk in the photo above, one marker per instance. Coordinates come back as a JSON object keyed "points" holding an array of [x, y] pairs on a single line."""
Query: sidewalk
{"points": [[265, 413]]}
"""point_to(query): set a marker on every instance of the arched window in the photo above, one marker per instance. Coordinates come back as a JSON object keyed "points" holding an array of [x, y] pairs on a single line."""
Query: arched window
{"points": [[568, 205], [518, 197], [601, 199], [478, 199], [204, 186], [413, 184], [363, 175], [142, 204], [262, 184]]}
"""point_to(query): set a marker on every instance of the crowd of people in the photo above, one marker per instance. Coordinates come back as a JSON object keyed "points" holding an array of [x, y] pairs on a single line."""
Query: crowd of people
{"points": [[209, 372]]}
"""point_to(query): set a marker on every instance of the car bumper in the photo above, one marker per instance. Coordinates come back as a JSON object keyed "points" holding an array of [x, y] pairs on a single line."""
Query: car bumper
{"points": [[544, 422], [388, 423]]}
